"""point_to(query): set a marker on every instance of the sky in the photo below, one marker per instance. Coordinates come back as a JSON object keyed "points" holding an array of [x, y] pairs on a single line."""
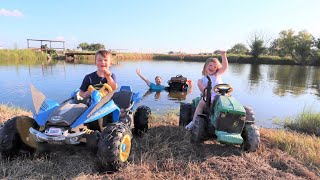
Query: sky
{"points": [[158, 26]]}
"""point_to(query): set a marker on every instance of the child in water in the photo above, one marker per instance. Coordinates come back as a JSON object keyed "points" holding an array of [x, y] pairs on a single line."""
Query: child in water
{"points": [[157, 86]]}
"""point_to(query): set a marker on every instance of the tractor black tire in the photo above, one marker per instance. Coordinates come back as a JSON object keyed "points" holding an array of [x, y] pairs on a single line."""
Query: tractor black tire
{"points": [[186, 114], [114, 147], [198, 132], [15, 138], [141, 120], [251, 138], [249, 115]]}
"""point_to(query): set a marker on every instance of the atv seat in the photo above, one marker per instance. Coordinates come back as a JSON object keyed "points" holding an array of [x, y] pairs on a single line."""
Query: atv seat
{"points": [[123, 99]]}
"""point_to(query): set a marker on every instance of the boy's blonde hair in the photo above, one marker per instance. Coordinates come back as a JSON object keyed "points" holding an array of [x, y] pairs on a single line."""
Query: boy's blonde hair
{"points": [[209, 60]]}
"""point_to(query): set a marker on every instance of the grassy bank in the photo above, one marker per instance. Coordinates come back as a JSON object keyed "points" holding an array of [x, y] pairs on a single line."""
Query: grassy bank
{"points": [[22, 57], [232, 58], [165, 152], [306, 122]]}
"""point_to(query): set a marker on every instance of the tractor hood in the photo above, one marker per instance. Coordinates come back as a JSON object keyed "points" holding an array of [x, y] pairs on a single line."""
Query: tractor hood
{"points": [[228, 104]]}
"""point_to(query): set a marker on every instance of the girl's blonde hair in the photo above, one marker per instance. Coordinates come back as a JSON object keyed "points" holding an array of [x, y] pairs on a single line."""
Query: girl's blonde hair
{"points": [[209, 60]]}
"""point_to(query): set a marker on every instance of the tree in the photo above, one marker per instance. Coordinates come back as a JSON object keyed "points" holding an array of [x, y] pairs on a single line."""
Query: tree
{"points": [[286, 43], [304, 41], [238, 48], [90, 47], [84, 46], [257, 46], [96, 47]]}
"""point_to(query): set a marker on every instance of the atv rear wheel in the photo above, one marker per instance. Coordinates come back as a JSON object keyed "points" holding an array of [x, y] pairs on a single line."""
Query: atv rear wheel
{"points": [[186, 114], [198, 132], [15, 137], [114, 147]]}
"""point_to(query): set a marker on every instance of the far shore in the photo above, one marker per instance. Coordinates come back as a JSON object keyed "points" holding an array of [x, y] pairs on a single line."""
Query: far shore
{"points": [[25, 56]]}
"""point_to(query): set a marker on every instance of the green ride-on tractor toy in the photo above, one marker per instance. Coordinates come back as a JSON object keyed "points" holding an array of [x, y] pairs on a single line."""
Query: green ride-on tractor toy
{"points": [[225, 118]]}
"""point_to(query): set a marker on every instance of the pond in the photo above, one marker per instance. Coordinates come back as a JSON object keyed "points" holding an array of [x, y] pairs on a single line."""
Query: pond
{"points": [[273, 91]]}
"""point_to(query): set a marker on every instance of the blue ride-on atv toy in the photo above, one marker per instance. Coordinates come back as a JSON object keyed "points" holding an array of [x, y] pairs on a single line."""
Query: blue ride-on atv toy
{"points": [[103, 123], [225, 118]]}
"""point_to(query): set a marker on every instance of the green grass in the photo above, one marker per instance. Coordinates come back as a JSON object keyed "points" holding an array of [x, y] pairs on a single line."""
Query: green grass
{"points": [[306, 122], [301, 146], [21, 57]]}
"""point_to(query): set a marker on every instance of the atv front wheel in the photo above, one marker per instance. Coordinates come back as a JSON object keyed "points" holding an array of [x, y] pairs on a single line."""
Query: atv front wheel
{"points": [[15, 137], [198, 132], [251, 138], [114, 147]]}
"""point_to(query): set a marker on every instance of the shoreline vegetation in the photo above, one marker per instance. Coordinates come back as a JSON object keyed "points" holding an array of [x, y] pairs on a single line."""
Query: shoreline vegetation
{"points": [[165, 152], [36, 57]]}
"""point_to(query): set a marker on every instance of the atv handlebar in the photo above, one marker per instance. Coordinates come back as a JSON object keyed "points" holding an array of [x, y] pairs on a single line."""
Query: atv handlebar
{"points": [[104, 90]]}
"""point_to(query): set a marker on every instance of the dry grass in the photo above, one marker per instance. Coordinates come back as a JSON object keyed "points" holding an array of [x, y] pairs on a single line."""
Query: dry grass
{"points": [[166, 153]]}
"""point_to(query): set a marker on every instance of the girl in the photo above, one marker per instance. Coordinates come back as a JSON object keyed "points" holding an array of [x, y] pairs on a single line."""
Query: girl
{"points": [[213, 68]]}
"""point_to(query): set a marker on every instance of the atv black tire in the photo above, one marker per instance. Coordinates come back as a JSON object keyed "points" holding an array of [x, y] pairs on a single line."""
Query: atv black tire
{"points": [[141, 120], [127, 119], [186, 114], [198, 132], [251, 138], [114, 147], [15, 137]]}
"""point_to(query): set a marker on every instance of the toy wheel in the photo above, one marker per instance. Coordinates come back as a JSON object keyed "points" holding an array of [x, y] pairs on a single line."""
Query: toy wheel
{"points": [[127, 119], [141, 117], [186, 114], [15, 137], [114, 148], [199, 130], [251, 138]]}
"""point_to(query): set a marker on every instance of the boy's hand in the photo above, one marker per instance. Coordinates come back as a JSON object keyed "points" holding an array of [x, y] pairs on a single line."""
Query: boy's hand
{"points": [[107, 73]]}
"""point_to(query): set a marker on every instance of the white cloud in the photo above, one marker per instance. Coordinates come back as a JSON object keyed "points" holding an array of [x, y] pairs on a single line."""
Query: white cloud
{"points": [[15, 13]]}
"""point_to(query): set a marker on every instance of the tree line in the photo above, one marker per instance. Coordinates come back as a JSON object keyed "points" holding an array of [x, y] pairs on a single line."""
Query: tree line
{"points": [[302, 47]]}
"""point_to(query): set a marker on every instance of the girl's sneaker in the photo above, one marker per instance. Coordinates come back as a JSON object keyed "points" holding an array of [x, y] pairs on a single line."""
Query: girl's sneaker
{"points": [[189, 126]]}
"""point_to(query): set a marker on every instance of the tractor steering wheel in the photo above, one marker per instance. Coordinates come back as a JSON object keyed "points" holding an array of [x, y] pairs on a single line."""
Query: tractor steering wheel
{"points": [[223, 89]]}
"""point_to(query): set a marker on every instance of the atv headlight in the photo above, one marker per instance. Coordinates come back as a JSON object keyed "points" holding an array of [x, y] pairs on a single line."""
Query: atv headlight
{"points": [[223, 115]]}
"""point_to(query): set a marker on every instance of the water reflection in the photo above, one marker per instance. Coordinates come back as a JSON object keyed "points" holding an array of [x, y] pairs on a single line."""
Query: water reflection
{"points": [[290, 79], [284, 90], [171, 95], [254, 76]]}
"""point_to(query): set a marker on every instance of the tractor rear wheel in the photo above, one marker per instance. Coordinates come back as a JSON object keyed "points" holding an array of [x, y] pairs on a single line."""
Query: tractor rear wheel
{"points": [[186, 114], [198, 132]]}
